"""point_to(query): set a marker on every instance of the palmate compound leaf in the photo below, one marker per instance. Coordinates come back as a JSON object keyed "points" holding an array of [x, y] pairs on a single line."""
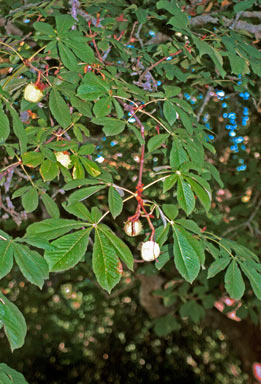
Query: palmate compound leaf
{"points": [[68, 250], [234, 282], [31, 264], [188, 253], [107, 251], [14, 322]]}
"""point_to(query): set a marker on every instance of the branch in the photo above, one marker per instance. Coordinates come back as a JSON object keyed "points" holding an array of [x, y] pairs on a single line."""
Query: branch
{"points": [[203, 19], [246, 223], [206, 100]]}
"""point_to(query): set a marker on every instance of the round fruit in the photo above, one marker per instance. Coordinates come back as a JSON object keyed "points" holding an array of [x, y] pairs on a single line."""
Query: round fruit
{"points": [[32, 93], [150, 250], [133, 228]]}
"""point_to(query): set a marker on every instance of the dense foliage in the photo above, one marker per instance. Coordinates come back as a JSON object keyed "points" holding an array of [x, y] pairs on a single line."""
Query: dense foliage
{"points": [[115, 113]]}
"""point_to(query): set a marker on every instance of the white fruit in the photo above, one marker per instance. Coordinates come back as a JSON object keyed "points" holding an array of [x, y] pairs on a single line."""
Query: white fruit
{"points": [[63, 159], [150, 250], [32, 93], [133, 228]]}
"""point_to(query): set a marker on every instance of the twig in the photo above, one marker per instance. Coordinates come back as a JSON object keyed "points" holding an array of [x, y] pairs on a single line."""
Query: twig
{"points": [[132, 31], [206, 100], [157, 63], [246, 223], [137, 35]]}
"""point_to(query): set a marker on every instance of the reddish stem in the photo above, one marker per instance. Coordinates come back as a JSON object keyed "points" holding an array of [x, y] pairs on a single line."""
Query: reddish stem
{"points": [[158, 62], [139, 187]]}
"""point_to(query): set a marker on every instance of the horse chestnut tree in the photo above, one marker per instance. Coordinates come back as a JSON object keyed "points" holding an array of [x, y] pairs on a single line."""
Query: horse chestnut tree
{"points": [[122, 133]]}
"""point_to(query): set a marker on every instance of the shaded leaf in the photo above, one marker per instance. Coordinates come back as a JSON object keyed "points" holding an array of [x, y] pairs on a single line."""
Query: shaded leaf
{"points": [[14, 322], [234, 282], [50, 205], [6, 257], [30, 200]]}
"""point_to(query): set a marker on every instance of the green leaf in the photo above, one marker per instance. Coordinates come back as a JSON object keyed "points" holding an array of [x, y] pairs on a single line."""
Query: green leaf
{"points": [[238, 64], [51, 207], [171, 91], [49, 170], [6, 257], [52, 228], [201, 194], [91, 167], [14, 322], [83, 51], [79, 210], [177, 154], [92, 88], [193, 311], [213, 170], [169, 112], [191, 225], [170, 210], [81, 105], [68, 250], [169, 182], [32, 159], [4, 126], [243, 5], [36, 242], [78, 170], [186, 121], [161, 234], [59, 109], [254, 278], [205, 48], [105, 261], [84, 193], [234, 282], [164, 257], [13, 376], [156, 141], [165, 325], [30, 200], [111, 126], [44, 28], [122, 250], [115, 202], [218, 265], [141, 15], [103, 106], [185, 196], [32, 265], [67, 57], [18, 128], [185, 254], [64, 23]]}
